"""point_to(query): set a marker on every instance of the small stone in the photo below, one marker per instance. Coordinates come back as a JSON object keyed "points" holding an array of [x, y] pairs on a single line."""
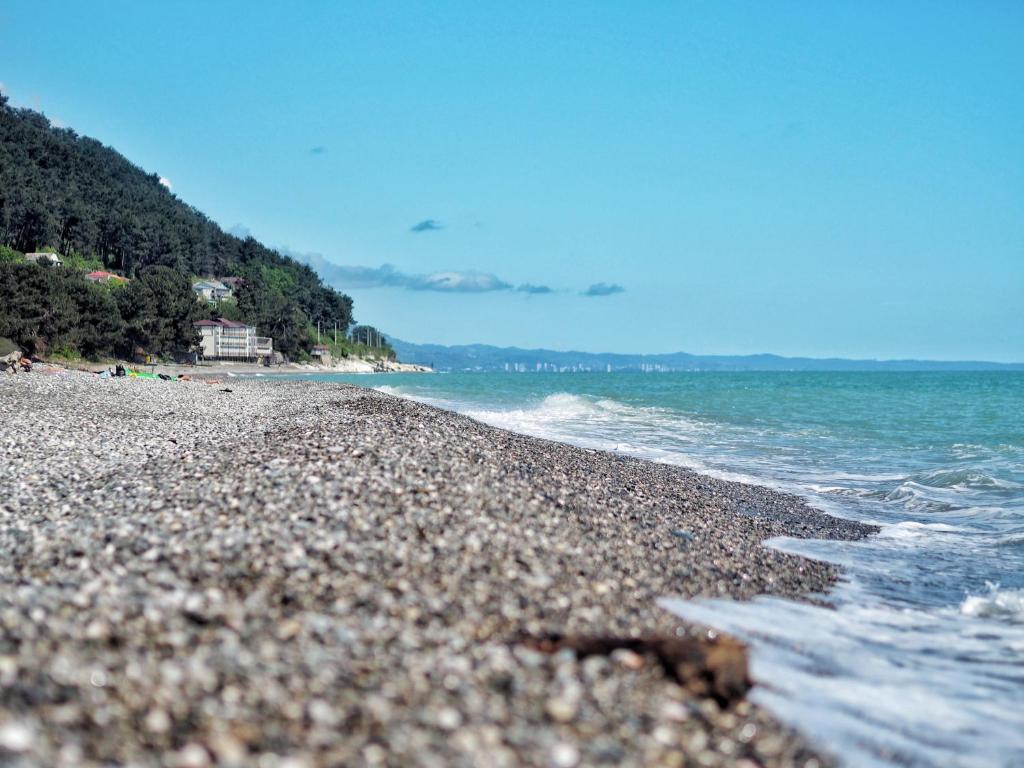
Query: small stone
{"points": [[288, 629], [664, 735], [561, 709], [192, 756], [627, 658], [697, 742], [16, 737], [674, 711], [374, 754], [228, 750], [97, 630], [770, 745], [157, 721], [449, 719], [564, 755]]}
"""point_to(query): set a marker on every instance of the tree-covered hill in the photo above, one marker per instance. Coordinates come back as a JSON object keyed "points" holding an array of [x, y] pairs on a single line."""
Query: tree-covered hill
{"points": [[64, 192]]}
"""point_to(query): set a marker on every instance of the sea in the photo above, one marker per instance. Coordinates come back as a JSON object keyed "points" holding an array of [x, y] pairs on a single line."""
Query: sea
{"points": [[919, 660]]}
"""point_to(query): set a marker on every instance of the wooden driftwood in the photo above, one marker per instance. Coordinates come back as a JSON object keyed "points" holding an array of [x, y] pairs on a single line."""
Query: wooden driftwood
{"points": [[704, 667]]}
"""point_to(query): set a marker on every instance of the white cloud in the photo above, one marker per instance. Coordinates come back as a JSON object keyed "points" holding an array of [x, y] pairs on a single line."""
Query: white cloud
{"points": [[386, 276], [457, 282], [165, 181]]}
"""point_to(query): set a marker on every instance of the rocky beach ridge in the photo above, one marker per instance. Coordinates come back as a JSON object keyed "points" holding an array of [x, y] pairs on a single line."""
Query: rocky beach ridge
{"points": [[283, 573]]}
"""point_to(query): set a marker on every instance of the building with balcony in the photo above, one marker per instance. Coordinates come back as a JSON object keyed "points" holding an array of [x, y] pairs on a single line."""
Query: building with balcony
{"points": [[230, 340], [211, 290]]}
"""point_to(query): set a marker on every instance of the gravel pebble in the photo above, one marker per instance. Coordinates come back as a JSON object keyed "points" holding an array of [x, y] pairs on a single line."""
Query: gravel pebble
{"points": [[298, 574]]}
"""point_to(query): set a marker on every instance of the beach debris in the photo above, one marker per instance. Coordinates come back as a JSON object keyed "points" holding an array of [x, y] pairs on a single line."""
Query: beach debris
{"points": [[10, 355], [226, 389], [715, 667], [679, 533]]}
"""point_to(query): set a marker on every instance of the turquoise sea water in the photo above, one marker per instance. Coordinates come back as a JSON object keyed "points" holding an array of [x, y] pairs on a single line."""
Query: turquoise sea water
{"points": [[922, 660]]}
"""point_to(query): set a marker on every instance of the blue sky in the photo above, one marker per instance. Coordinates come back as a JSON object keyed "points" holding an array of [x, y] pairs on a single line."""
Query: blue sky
{"points": [[801, 178]]}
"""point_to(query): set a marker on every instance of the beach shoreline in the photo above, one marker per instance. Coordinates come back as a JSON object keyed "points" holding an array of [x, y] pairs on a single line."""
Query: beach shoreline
{"points": [[222, 368], [287, 570]]}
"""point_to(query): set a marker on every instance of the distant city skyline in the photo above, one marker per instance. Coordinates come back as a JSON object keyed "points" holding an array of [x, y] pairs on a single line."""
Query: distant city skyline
{"points": [[716, 178]]}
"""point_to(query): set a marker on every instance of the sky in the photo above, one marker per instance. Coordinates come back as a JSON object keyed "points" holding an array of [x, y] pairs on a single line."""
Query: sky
{"points": [[820, 179]]}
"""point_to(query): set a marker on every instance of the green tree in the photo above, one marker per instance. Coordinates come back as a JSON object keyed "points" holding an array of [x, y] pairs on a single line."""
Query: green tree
{"points": [[10, 256], [159, 308], [49, 309], [60, 188]]}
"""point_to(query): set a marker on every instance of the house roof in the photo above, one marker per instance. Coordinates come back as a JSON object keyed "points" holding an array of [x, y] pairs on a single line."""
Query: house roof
{"points": [[221, 323], [101, 274]]}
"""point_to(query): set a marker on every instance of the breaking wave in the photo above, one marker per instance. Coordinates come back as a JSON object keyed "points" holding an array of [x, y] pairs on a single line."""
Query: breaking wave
{"points": [[1000, 604]]}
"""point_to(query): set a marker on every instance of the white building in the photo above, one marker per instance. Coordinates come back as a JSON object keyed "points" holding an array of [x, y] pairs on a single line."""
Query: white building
{"points": [[230, 340], [211, 290], [46, 258]]}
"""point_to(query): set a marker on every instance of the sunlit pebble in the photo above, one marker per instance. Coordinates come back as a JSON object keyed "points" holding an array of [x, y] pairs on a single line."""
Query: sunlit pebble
{"points": [[449, 719], [673, 710], [747, 732], [192, 756], [565, 755], [375, 754], [561, 709], [16, 737], [664, 735], [157, 721], [628, 659], [98, 679]]}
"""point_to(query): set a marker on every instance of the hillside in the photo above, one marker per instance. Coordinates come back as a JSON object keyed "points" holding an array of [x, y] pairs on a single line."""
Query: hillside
{"points": [[63, 192], [482, 357]]}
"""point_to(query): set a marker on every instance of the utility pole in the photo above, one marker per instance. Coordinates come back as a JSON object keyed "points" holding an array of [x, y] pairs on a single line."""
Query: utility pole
{"points": [[317, 331]]}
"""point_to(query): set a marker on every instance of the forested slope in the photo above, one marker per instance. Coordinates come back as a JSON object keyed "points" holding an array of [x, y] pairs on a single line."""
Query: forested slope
{"points": [[68, 193]]}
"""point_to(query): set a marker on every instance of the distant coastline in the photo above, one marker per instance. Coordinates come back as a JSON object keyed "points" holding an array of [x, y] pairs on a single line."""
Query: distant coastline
{"points": [[486, 357]]}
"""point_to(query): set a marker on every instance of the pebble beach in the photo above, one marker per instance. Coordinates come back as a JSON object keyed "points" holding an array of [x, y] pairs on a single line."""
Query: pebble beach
{"points": [[278, 573]]}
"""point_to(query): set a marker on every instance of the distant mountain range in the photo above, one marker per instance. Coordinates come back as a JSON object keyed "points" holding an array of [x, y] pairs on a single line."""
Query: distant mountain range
{"points": [[483, 357]]}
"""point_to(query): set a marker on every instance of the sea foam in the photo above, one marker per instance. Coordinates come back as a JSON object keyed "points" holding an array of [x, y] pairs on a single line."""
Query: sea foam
{"points": [[1000, 604]]}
